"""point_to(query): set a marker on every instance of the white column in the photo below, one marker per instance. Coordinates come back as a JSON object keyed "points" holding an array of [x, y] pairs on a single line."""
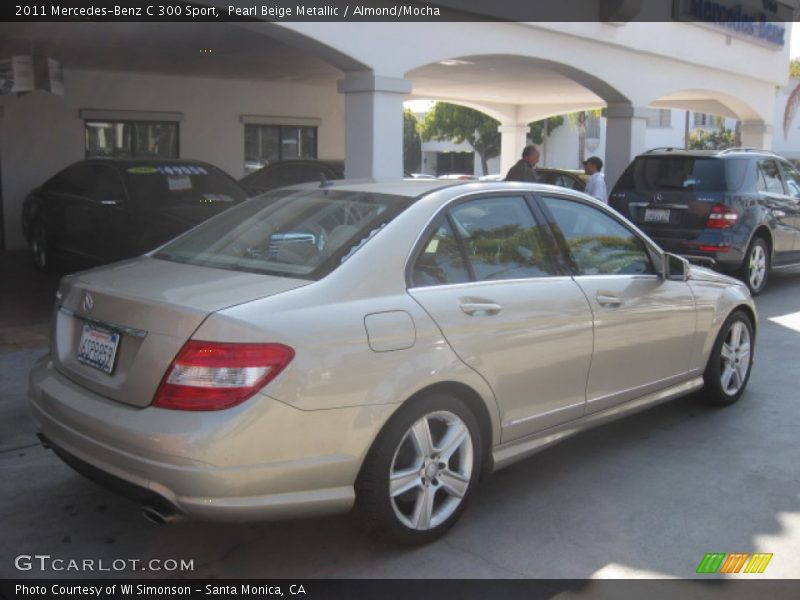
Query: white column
{"points": [[625, 138], [373, 136], [756, 134], [513, 138]]}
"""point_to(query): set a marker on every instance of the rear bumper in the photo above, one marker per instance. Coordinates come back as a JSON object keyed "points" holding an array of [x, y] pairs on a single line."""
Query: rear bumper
{"points": [[717, 249], [262, 460]]}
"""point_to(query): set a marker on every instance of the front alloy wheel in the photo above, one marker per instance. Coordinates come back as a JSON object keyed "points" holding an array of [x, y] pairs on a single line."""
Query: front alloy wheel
{"points": [[731, 359], [419, 474], [756, 266]]}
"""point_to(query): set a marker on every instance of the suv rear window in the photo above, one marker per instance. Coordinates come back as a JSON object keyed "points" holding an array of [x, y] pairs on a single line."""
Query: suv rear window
{"points": [[689, 173], [304, 234]]}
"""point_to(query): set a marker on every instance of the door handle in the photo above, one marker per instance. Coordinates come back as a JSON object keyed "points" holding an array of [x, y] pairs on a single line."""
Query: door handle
{"points": [[608, 300], [478, 308], [778, 213]]}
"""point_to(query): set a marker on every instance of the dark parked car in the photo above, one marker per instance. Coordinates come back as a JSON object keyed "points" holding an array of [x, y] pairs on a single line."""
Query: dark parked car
{"points": [[737, 210], [103, 210], [566, 178], [291, 172], [571, 179]]}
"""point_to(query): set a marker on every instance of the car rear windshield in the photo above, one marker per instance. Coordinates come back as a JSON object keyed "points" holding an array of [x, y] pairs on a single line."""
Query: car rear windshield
{"points": [[688, 173], [304, 234], [180, 184]]}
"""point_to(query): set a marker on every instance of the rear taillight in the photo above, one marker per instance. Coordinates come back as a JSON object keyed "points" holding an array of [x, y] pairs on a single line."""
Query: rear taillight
{"points": [[215, 375], [722, 216]]}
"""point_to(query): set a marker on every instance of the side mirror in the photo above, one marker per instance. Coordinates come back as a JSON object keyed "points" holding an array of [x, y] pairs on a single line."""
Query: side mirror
{"points": [[675, 267]]}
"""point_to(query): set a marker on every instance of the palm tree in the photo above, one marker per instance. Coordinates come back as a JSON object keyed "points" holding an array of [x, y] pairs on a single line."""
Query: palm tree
{"points": [[791, 108], [579, 119]]}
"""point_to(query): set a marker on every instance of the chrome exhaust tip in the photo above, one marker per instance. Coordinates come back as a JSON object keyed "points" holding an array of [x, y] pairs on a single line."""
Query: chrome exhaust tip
{"points": [[160, 516]]}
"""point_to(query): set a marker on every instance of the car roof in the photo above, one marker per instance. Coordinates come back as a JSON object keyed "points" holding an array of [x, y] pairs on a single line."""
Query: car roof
{"points": [[131, 162], [414, 188], [725, 153]]}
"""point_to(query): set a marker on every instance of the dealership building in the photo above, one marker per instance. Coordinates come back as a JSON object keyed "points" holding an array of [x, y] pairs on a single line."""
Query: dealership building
{"points": [[241, 94]]}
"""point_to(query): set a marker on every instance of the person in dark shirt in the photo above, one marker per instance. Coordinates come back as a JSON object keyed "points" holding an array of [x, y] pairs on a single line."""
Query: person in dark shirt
{"points": [[525, 168]]}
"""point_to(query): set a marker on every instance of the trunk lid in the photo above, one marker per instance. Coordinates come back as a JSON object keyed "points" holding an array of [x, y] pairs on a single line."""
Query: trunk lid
{"points": [[145, 309]]}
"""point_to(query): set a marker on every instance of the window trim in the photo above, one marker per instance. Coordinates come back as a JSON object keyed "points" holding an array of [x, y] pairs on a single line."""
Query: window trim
{"points": [[559, 267]]}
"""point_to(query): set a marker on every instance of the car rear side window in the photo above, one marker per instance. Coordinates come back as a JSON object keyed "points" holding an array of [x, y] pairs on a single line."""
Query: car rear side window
{"points": [[597, 243], [792, 179], [486, 239], [441, 260], [769, 178]]}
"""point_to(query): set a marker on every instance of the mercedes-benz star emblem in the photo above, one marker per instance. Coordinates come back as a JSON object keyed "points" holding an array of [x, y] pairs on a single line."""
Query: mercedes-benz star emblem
{"points": [[88, 302], [659, 198]]}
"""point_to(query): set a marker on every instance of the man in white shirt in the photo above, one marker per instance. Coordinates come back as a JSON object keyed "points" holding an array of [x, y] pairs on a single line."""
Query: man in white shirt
{"points": [[596, 185]]}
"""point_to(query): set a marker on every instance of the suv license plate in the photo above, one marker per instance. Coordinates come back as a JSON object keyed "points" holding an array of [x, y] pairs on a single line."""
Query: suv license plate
{"points": [[98, 348], [656, 215]]}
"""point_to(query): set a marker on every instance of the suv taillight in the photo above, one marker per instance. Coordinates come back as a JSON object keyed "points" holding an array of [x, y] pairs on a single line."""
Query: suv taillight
{"points": [[722, 217], [216, 375]]}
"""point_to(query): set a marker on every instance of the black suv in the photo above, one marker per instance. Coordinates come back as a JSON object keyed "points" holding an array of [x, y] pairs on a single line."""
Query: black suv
{"points": [[737, 210]]}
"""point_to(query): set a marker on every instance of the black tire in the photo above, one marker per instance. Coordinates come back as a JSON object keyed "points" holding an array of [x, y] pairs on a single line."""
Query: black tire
{"points": [[393, 516], [756, 266], [40, 247], [724, 380]]}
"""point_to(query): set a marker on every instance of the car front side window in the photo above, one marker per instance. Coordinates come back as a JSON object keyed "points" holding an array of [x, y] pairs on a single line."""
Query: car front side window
{"points": [[597, 243]]}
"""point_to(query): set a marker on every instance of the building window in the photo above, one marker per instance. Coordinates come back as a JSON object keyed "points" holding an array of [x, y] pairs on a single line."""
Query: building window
{"points": [[131, 139], [592, 127], [659, 118], [265, 144], [706, 121], [448, 163]]}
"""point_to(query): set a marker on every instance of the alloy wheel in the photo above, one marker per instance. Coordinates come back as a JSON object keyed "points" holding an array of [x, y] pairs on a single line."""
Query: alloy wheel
{"points": [[735, 358], [756, 267], [431, 470]]}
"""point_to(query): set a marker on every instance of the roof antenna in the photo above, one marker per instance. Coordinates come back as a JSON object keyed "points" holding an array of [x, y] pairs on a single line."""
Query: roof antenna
{"points": [[323, 181]]}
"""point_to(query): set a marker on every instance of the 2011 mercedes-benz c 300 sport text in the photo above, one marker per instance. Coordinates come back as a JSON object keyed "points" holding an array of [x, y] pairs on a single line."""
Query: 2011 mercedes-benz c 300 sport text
{"points": [[377, 346]]}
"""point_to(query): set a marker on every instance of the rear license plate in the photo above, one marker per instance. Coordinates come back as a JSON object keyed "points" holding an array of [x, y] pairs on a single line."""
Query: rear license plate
{"points": [[656, 215], [98, 348]]}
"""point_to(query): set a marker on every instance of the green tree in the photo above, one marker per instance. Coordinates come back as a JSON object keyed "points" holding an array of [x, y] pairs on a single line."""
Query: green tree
{"points": [[461, 124], [537, 128], [412, 151], [719, 139]]}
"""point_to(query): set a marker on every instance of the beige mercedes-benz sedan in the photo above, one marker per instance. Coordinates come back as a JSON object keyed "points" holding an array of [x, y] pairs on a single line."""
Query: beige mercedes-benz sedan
{"points": [[377, 345]]}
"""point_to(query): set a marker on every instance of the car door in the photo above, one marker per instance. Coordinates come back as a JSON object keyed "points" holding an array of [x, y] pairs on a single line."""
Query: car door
{"points": [[782, 207], [791, 178], [643, 323], [489, 275]]}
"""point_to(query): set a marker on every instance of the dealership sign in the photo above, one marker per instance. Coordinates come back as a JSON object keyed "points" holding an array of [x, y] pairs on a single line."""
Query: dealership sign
{"points": [[764, 21]]}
